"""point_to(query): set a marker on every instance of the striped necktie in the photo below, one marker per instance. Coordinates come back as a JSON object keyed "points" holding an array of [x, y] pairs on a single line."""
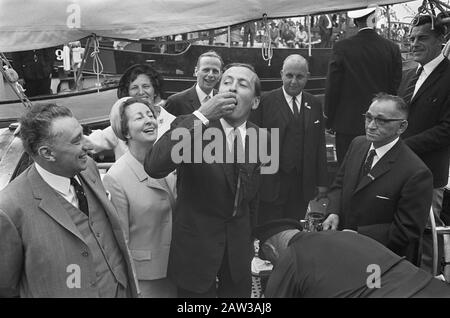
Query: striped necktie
{"points": [[409, 92], [295, 108], [81, 196]]}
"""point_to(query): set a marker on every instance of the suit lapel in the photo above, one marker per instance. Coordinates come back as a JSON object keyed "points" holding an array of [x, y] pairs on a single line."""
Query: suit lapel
{"points": [[431, 80], [355, 163], [285, 110], [50, 203], [381, 167], [306, 104], [194, 102]]}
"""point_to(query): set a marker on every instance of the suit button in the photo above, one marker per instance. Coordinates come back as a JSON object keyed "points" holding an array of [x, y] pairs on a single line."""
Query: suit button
{"points": [[98, 234], [85, 254], [93, 284]]}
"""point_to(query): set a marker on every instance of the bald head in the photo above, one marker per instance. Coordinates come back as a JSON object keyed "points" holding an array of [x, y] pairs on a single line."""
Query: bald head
{"points": [[295, 74], [295, 59]]}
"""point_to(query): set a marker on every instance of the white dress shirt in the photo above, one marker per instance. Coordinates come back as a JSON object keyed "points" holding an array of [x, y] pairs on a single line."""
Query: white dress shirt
{"points": [[381, 151], [298, 100], [229, 133], [201, 94], [427, 69], [60, 184]]}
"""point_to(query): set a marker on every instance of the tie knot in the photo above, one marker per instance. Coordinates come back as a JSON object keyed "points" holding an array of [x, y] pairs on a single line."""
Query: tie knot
{"points": [[74, 182], [372, 153], [419, 71]]}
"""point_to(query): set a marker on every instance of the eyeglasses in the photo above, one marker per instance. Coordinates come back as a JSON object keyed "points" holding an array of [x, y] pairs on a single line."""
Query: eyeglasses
{"points": [[380, 121]]}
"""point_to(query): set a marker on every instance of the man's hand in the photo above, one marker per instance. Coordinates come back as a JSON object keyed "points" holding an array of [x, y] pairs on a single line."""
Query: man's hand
{"points": [[331, 223], [321, 193], [220, 105]]}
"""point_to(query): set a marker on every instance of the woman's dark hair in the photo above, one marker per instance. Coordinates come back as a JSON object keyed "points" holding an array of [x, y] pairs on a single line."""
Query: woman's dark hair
{"points": [[133, 72]]}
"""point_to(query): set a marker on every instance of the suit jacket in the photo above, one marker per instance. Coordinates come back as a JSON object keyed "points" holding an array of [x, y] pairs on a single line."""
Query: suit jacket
{"points": [[204, 224], [360, 67], [39, 240], [428, 132], [274, 112], [145, 208], [392, 205], [184, 102]]}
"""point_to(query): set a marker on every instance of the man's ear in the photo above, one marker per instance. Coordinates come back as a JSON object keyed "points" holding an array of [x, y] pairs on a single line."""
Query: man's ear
{"points": [[195, 71], [403, 127], [256, 102], [46, 153]]}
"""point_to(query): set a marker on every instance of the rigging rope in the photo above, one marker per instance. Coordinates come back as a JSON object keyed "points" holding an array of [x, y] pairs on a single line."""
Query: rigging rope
{"points": [[266, 48], [97, 65], [11, 78]]}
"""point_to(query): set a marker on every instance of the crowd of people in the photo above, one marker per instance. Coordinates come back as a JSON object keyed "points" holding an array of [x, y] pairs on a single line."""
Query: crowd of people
{"points": [[178, 212]]}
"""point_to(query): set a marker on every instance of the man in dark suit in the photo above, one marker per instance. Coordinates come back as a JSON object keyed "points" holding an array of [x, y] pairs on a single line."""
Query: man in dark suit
{"points": [[427, 90], [428, 133], [382, 189], [60, 236], [34, 69], [338, 264], [208, 72], [216, 205], [325, 30], [360, 67], [303, 164]]}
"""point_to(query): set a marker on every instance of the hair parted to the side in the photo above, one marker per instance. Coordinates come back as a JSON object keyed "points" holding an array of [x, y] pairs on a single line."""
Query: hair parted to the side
{"points": [[251, 68], [438, 29], [35, 125], [400, 104], [210, 53]]}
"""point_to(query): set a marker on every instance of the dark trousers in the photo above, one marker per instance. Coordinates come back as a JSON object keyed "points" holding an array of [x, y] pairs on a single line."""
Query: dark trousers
{"points": [[38, 87], [225, 287], [290, 202], [291, 194], [343, 141]]}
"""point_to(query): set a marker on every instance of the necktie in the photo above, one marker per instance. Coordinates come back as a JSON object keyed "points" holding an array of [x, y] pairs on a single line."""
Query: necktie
{"points": [[207, 98], [238, 152], [368, 164], [295, 108], [82, 201], [409, 92]]}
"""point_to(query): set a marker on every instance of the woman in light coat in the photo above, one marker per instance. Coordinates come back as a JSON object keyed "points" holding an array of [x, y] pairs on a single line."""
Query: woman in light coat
{"points": [[144, 204]]}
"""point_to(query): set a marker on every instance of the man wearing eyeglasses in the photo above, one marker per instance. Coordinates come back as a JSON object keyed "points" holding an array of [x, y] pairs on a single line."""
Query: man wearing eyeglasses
{"points": [[382, 189]]}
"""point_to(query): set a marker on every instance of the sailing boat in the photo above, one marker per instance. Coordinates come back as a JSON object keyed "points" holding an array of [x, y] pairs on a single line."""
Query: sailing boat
{"points": [[53, 23]]}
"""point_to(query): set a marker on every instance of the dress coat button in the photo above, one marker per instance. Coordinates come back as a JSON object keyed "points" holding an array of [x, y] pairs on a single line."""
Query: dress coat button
{"points": [[85, 254]]}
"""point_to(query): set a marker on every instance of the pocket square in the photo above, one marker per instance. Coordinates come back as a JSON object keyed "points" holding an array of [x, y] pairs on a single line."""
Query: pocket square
{"points": [[108, 194], [382, 198], [307, 106], [317, 121]]}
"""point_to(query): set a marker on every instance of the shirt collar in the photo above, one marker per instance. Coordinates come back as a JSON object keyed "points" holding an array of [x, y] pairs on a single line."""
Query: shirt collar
{"points": [[288, 97], [59, 183], [201, 94], [381, 151], [228, 129], [431, 65]]}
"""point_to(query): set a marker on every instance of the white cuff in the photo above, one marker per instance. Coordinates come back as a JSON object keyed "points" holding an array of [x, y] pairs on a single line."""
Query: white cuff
{"points": [[202, 117]]}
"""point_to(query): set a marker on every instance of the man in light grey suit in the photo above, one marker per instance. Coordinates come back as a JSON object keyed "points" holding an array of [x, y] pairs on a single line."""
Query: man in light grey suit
{"points": [[59, 234]]}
